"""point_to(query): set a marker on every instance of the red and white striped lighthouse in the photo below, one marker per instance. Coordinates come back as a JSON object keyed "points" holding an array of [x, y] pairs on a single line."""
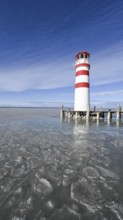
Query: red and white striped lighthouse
{"points": [[82, 93]]}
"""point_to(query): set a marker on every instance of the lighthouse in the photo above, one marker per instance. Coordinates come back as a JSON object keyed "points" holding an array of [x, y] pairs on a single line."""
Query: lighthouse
{"points": [[82, 92]]}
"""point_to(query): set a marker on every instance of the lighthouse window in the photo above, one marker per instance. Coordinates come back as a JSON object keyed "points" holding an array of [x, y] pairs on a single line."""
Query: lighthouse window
{"points": [[86, 56], [82, 56]]}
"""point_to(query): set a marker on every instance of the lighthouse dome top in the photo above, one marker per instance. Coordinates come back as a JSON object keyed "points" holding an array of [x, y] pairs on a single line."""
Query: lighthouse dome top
{"points": [[83, 53]]}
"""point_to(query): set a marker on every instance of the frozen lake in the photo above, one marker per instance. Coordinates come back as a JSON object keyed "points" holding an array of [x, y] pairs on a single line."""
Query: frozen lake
{"points": [[53, 169]]}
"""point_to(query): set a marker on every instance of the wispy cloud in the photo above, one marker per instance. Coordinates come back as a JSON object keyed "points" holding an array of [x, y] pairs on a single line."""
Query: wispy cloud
{"points": [[50, 75], [106, 68], [107, 98], [115, 93], [107, 65]]}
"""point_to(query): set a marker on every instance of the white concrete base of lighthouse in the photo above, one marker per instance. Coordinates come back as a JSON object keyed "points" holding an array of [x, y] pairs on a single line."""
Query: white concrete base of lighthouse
{"points": [[81, 102]]}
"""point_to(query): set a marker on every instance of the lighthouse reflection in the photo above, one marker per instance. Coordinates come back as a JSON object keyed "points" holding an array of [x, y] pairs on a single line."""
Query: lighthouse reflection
{"points": [[81, 127]]}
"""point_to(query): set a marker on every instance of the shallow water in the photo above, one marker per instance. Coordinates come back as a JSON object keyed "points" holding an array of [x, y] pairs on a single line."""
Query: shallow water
{"points": [[59, 169]]}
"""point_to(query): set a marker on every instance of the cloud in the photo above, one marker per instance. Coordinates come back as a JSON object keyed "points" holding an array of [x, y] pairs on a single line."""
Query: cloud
{"points": [[115, 93], [107, 98], [58, 72], [107, 65], [50, 75]]}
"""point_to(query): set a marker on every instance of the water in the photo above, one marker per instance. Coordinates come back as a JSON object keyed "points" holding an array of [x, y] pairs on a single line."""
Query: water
{"points": [[59, 170]]}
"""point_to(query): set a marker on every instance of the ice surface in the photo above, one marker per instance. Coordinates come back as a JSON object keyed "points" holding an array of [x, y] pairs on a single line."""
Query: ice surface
{"points": [[52, 169]]}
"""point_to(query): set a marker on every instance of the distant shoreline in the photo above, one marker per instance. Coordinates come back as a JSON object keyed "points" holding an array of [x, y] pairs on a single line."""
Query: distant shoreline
{"points": [[26, 107]]}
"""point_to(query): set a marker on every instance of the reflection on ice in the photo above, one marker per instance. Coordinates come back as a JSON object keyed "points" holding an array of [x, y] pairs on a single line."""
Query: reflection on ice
{"points": [[81, 127]]}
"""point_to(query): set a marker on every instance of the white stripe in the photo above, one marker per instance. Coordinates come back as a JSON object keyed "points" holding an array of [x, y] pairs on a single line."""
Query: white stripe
{"points": [[82, 68], [82, 78]]}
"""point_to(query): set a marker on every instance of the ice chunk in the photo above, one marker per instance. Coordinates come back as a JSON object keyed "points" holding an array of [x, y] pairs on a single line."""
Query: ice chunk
{"points": [[90, 172], [107, 173], [41, 186]]}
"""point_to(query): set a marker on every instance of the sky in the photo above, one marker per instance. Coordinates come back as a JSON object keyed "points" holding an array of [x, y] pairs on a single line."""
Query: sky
{"points": [[38, 43]]}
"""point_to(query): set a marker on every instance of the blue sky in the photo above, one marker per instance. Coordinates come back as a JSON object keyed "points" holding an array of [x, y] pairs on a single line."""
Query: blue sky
{"points": [[38, 43]]}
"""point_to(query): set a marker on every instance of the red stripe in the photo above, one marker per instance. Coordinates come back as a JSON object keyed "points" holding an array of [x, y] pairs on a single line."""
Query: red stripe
{"points": [[81, 85], [82, 72], [83, 64]]}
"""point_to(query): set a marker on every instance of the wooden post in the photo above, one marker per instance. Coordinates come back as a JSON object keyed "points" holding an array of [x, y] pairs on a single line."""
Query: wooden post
{"points": [[69, 114], [98, 115], [76, 115], [62, 112], [88, 114], [109, 116], [118, 113]]}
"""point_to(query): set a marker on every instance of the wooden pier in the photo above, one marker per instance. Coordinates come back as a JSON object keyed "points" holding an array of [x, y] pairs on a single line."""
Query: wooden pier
{"points": [[93, 114]]}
